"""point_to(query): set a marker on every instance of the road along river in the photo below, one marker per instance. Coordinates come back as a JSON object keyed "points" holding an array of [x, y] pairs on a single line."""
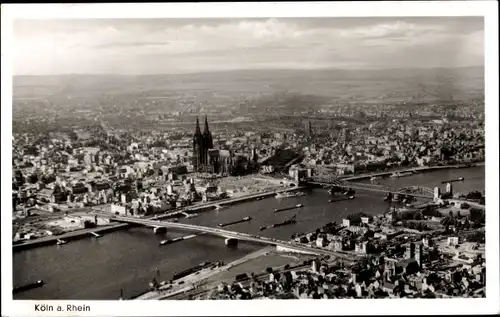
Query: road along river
{"points": [[98, 268]]}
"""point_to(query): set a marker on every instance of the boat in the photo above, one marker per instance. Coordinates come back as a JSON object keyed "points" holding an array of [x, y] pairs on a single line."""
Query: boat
{"points": [[191, 270], [289, 194], [332, 191], [153, 284], [374, 178], [189, 216], [219, 207], [460, 179], [167, 241], [330, 200], [349, 192], [61, 242], [163, 242], [352, 197], [288, 208], [401, 174], [231, 242], [388, 197], [284, 223], [28, 286], [234, 222]]}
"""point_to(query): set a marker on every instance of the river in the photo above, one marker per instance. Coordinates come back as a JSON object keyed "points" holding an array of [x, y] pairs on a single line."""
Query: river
{"points": [[95, 269]]}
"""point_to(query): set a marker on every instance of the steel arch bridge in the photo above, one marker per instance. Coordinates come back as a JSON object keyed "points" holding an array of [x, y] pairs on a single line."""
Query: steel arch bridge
{"points": [[416, 191], [420, 190], [326, 181]]}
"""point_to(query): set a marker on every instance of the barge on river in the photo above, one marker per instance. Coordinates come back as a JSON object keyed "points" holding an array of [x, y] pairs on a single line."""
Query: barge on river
{"points": [[27, 287], [284, 223], [245, 219]]}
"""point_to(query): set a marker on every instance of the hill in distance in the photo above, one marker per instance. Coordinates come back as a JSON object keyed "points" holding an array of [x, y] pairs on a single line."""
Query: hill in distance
{"points": [[262, 86]]}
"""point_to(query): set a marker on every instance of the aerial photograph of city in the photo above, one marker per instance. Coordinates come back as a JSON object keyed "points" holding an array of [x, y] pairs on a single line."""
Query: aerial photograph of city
{"points": [[248, 158]]}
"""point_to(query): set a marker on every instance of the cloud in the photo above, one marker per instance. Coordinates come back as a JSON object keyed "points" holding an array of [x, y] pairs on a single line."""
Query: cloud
{"points": [[178, 45], [398, 29], [130, 44]]}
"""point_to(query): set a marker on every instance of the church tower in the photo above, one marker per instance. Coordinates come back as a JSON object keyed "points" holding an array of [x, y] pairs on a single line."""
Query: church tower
{"points": [[208, 144], [198, 147], [208, 136], [202, 143]]}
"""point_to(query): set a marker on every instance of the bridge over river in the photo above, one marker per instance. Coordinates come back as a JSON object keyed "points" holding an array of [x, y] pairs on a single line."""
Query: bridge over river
{"points": [[415, 191], [284, 245]]}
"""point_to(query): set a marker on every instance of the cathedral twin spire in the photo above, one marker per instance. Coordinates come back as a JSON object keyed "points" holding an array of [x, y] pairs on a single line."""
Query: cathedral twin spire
{"points": [[198, 130], [202, 143], [206, 136]]}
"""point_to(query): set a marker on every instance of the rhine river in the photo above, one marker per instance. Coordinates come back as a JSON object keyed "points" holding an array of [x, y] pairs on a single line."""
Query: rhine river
{"points": [[98, 268]]}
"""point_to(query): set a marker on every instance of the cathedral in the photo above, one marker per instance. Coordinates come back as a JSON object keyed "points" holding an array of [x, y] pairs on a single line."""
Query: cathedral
{"points": [[202, 144], [206, 159]]}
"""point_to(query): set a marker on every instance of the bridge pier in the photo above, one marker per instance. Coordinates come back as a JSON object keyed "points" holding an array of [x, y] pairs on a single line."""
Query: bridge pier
{"points": [[158, 230], [231, 238], [231, 242]]}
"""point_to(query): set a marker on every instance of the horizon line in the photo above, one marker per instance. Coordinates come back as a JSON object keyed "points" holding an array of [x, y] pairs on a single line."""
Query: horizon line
{"points": [[251, 69]]}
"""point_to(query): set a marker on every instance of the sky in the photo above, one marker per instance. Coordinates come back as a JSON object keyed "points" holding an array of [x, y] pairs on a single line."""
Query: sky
{"points": [[172, 46]]}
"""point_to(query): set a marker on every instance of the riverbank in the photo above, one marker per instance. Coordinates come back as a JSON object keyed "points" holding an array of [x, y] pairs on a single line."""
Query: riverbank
{"points": [[226, 202], [128, 259], [78, 234], [231, 201], [82, 233], [192, 281], [73, 235]]}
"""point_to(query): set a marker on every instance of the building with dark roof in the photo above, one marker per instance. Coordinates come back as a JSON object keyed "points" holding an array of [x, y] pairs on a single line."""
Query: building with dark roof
{"points": [[202, 143]]}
